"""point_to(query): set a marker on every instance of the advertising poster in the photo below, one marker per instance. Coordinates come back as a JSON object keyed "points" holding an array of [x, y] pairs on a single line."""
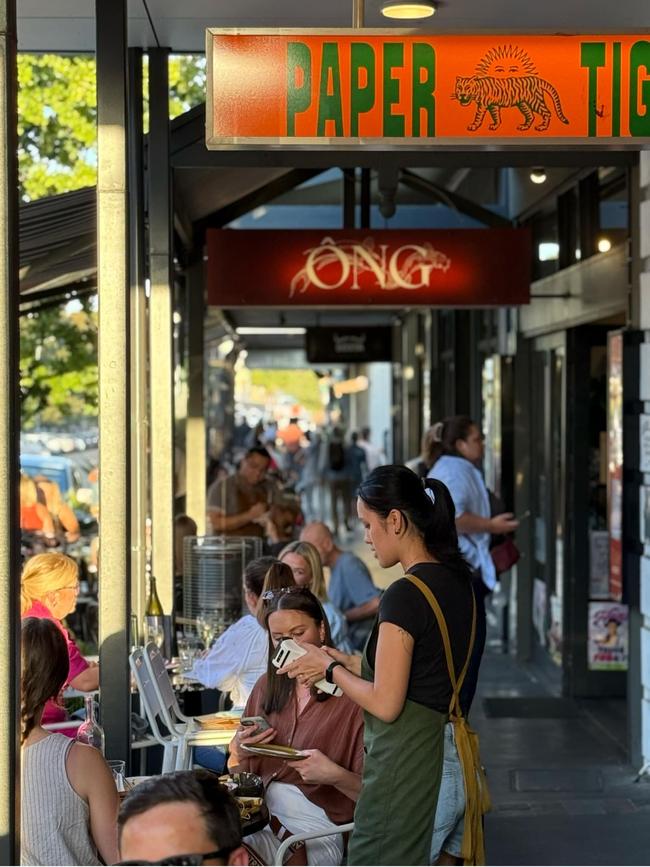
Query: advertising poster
{"points": [[615, 462], [608, 636]]}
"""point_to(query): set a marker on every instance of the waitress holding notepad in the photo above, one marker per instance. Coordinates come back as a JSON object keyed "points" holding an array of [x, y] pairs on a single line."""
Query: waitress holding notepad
{"points": [[404, 682]]}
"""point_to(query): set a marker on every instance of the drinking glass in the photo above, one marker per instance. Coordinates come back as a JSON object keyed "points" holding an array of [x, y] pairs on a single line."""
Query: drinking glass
{"points": [[206, 626], [187, 650], [118, 767]]}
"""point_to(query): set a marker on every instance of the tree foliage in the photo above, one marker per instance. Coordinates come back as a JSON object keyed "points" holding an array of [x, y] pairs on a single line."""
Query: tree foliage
{"points": [[58, 364], [57, 117]]}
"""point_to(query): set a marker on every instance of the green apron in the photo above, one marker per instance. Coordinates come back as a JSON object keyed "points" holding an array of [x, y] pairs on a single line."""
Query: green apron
{"points": [[395, 813]]}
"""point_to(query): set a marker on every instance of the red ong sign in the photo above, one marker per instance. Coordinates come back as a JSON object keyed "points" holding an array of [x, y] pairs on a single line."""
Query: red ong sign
{"points": [[464, 267]]}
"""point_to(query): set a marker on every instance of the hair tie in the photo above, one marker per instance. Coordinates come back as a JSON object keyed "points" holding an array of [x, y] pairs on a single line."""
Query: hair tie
{"points": [[429, 489], [436, 431]]}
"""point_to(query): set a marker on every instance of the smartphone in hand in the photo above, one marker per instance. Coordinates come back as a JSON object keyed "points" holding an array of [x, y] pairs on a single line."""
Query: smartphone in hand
{"points": [[259, 721]]}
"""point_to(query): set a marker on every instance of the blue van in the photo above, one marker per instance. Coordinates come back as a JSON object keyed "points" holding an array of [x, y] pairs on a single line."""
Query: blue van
{"points": [[57, 468]]}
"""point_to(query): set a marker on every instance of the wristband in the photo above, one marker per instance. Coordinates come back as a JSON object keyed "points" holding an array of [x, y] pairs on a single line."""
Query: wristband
{"points": [[330, 671]]}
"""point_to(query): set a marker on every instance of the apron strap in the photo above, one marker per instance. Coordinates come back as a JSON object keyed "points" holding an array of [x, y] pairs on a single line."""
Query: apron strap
{"points": [[477, 798], [456, 684]]}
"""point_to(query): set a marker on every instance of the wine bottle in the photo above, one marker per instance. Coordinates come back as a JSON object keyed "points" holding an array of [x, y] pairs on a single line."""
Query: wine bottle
{"points": [[90, 732], [153, 616]]}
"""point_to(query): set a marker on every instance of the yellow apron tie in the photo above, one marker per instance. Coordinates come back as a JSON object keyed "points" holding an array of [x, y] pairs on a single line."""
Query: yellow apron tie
{"points": [[477, 797]]}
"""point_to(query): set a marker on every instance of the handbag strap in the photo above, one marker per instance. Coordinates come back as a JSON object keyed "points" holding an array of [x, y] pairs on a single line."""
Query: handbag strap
{"points": [[456, 683]]}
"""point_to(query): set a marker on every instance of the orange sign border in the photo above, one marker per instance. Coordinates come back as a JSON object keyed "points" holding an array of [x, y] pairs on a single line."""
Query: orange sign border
{"points": [[441, 143]]}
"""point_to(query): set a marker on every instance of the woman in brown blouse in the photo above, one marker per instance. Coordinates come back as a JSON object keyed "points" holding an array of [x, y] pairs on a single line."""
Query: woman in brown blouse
{"points": [[321, 790]]}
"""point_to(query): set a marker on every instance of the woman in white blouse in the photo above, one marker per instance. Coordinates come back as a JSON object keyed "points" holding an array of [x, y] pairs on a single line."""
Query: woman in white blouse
{"points": [[238, 658]]}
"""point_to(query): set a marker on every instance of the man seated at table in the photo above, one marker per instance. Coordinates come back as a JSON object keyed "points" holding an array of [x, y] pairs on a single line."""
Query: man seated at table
{"points": [[238, 504], [350, 587], [183, 818]]}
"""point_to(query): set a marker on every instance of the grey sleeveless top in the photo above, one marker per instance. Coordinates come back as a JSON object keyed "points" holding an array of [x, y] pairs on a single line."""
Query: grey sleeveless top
{"points": [[55, 821]]}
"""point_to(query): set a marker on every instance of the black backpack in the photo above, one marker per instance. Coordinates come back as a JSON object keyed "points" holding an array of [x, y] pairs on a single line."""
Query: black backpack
{"points": [[336, 456]]}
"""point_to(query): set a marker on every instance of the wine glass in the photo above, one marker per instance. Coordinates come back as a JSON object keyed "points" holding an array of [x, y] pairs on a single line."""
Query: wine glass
{"points": [[207, 625]]}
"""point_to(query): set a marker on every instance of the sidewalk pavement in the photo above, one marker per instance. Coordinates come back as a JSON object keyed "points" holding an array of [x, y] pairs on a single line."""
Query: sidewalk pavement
{"points": [[562, 789]]}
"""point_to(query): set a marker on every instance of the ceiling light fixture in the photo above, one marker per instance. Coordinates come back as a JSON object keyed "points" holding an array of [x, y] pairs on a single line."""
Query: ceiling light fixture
{"points": [[538, 176], [250, 331], [604, 245], [408, 11]]}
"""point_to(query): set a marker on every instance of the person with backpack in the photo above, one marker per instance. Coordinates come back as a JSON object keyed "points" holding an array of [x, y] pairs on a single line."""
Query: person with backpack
{"points": [[336, 473]]}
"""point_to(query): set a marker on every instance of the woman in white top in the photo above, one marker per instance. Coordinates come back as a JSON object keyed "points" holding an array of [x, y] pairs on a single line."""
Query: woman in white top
{"points": [[307, 568], [457, 454], [69, 800], [239, 657]]}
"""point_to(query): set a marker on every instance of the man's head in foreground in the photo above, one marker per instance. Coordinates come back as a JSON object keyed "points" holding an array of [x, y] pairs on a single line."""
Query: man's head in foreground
{"points": [[186, 818]]}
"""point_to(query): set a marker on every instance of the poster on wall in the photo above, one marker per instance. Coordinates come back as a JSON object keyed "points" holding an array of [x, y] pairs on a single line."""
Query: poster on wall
{"points": [[608, 636], [615, 462]]}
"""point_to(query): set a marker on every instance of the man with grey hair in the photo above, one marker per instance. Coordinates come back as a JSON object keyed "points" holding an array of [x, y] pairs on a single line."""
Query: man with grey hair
{"points": [[351, 588]]}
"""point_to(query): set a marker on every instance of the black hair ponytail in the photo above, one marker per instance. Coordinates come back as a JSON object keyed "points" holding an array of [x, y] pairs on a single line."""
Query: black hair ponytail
{"points": [[396, 487]]}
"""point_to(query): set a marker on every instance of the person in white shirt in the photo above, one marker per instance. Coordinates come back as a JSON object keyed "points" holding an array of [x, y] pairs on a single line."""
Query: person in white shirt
{"points": [[374, 456], [239, 657]]}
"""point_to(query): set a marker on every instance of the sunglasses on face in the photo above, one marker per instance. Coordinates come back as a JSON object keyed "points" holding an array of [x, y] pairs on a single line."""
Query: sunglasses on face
{"points": [[191, 860]]}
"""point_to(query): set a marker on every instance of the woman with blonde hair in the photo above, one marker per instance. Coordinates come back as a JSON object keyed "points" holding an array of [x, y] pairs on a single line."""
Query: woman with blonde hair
{"points": [[49, 586], [69, 798], [305, 563]]}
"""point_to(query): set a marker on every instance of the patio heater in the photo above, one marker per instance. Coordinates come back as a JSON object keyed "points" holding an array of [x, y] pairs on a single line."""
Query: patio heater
{"points": [[212, 580]]}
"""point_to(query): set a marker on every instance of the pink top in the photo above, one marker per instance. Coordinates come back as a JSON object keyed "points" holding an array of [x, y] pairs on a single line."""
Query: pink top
{"points": [[53, 712]]}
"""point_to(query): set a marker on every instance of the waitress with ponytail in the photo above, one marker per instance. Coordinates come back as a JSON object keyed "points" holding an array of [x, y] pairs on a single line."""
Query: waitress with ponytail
{"points": [[408, 679]]}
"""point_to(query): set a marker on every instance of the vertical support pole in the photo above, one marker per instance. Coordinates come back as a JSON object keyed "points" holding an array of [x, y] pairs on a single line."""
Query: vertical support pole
{"points": [[138, 342], [161, 330], [523, 492], [9, 448], [349, 198], [357, 14], [588, 204], [114, 410], [636, 565], [195, 434]]}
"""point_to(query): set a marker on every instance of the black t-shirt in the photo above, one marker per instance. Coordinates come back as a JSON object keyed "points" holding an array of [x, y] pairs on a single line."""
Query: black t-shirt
{"points": [[404, 605]]}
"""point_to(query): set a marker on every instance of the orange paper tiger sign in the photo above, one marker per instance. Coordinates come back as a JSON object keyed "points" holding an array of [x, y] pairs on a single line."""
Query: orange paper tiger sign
{"points": [[395, 88]]}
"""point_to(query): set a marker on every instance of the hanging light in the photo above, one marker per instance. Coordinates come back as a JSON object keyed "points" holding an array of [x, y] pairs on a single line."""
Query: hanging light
{"points": [[538, 176], [604, 245], [404, 10]]}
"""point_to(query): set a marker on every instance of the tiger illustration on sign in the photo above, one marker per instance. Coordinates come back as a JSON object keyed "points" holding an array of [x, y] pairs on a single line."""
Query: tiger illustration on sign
{"points": [[505, 78]]}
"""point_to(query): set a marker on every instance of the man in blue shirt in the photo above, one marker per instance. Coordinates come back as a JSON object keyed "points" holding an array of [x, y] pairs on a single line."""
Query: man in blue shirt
{"points": [[350, 585]]}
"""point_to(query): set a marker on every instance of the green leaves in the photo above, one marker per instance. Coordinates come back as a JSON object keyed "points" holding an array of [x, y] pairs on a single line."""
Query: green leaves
{"points": [[57, 117], [57, 131], [58, 364]]}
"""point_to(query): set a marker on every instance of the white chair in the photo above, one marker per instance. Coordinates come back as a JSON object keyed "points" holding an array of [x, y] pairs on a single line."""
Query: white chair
{"points": [[153, 709], [303, 838], [186, 729]]}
